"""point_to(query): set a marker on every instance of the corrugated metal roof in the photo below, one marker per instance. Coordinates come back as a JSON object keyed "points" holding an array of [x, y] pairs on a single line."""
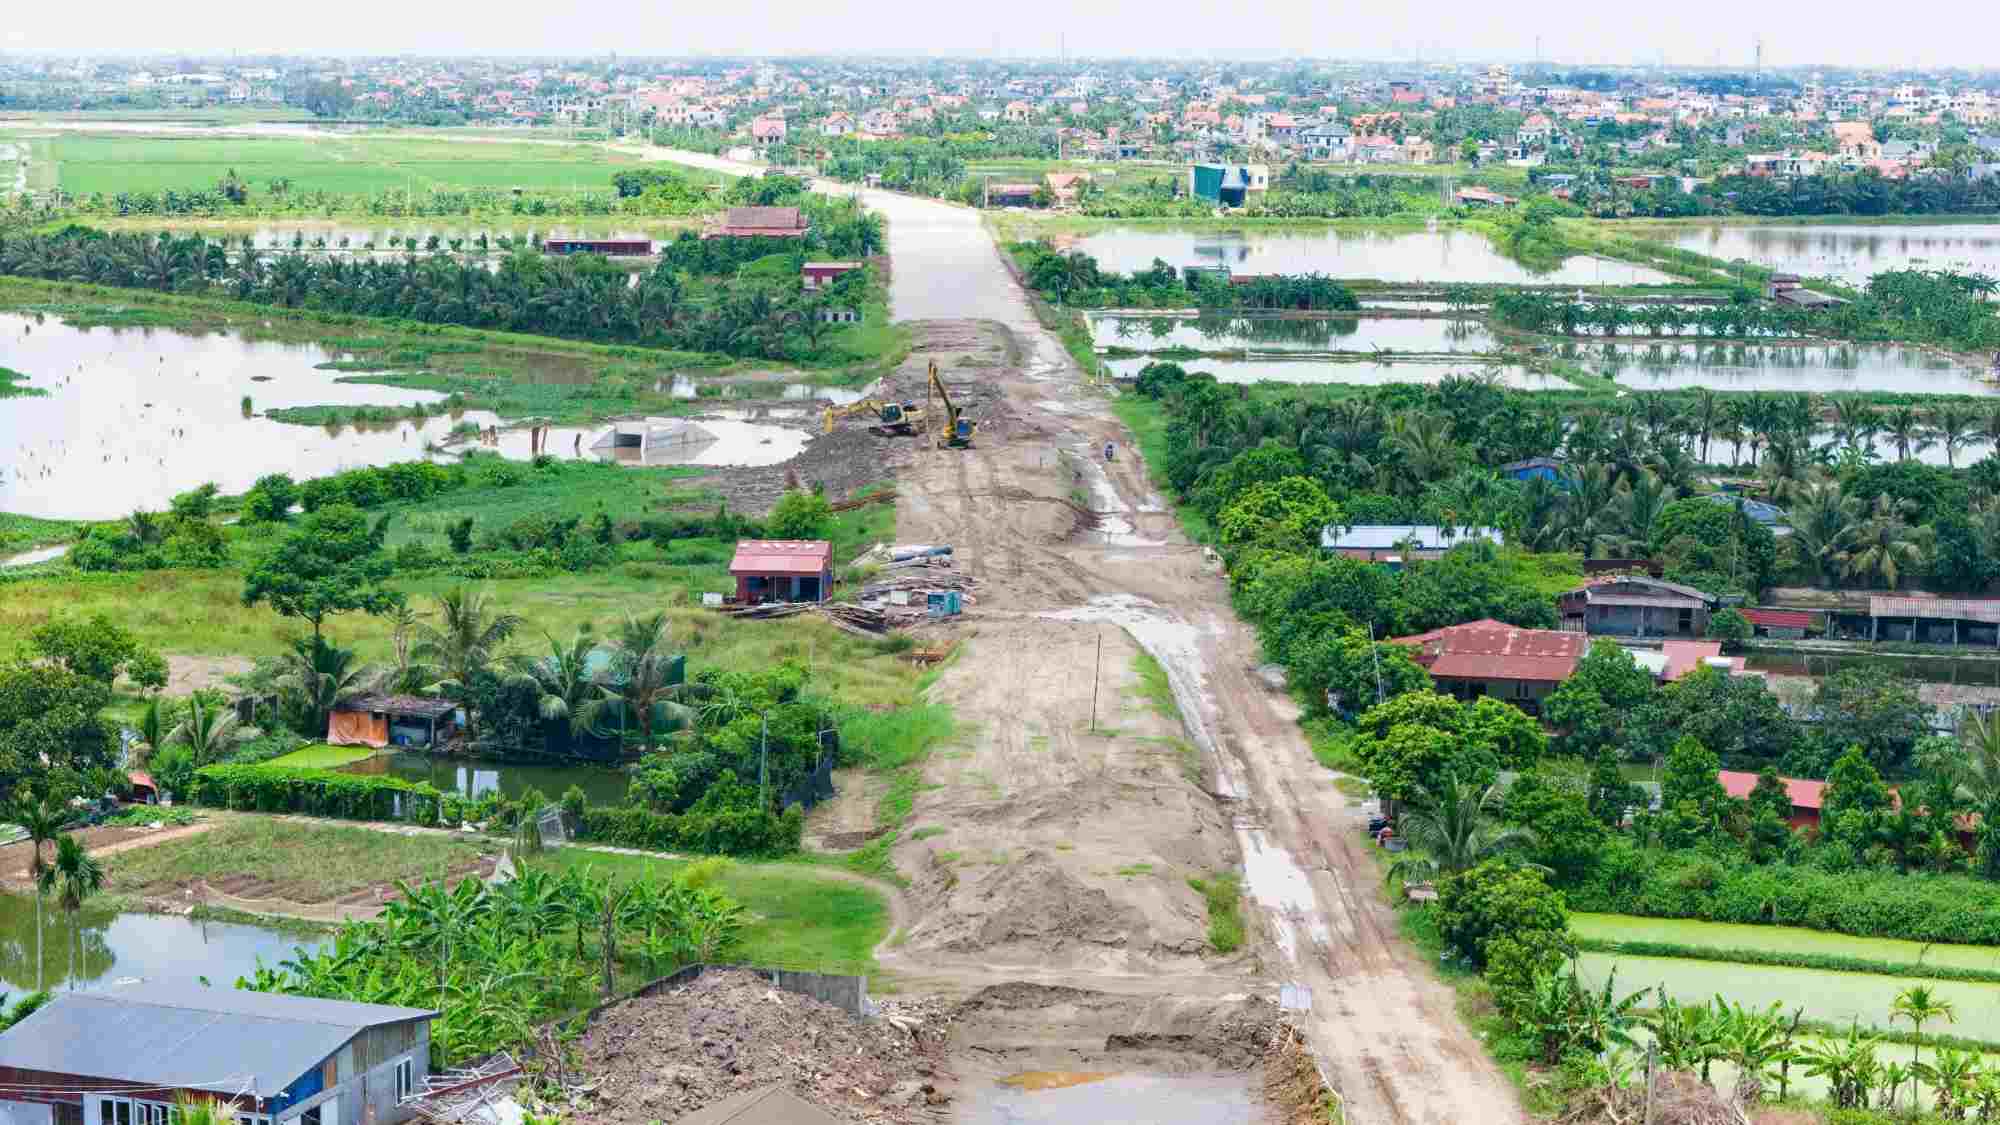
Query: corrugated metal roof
{"points": [[400, 705], [1382, 536], [1495, 650], [1803, 792], [1685, 656], [1779, 618], [781, 556], [1965, 609], [1663, 601], [188, 1036]]}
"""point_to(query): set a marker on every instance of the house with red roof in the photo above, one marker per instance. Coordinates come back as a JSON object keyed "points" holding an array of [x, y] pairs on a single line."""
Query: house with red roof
{"points": [[1807, 796], [1492, 658], [762, 222], [782, 570]]}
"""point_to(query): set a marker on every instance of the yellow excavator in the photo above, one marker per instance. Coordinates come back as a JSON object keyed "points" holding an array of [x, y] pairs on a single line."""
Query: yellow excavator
{"points": [[899, 418], [956, 430]]}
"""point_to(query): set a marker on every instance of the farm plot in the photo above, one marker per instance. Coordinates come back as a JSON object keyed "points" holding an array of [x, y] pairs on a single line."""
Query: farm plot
{"points": [[1781, 940]]}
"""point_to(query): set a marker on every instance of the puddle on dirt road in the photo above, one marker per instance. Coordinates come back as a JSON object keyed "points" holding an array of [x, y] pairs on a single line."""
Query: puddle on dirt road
{"points": [[1402, 256], [1054, 1079], [1278, 884], [1114, 1099]]}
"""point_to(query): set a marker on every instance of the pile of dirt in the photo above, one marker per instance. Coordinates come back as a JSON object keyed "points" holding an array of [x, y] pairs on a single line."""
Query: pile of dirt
{"points": [[1031, 902], [843, 462], [1292, 1084], [1679, 1098], [1025, 1026], [658, 1058]]}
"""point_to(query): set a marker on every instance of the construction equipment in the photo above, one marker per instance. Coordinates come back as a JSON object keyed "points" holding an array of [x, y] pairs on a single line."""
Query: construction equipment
{"points": [[956, 429], [898, 418]]}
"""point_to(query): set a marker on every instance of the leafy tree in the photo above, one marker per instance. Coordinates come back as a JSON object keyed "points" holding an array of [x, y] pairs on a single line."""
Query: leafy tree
{"points": [[1343, 665], [1856, 799], [1873, 708], [1729, 626], [1611, 796], [1498, 899], [52, 731], [1698, 535], [801, 515], [1471, 581], [1736, 716], [271, 499], [1504, 733], [1565, 835], [1415, 741], [1289, 515], [332, 563], [1691, 797], [1589, 710], [98, 648]]}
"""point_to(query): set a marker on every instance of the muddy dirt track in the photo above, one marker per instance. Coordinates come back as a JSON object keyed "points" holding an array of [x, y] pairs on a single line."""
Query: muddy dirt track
{"points": [[1050, 825]]}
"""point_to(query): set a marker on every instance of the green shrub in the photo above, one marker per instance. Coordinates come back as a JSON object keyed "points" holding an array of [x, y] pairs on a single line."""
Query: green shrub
{"points": [[1495, 900], [730, 831], [285, 789]]}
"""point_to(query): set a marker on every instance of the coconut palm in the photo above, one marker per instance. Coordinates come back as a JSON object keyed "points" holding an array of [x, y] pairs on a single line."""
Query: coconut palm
{"points": [[1451, 829], [1703, 417], [646, 672], [208, 731], [1823, 520], [1955, 426], [1855, 423], [1427, 450], [1920, 1004], [74, 877], [464, 644], [1905, 429], [567, 687], [1883, 545], [408, 674], [42, 818], [321, 677]]}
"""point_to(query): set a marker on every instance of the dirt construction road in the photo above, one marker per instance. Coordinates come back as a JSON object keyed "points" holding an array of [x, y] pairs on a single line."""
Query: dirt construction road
{"points": [[1053, 832]]}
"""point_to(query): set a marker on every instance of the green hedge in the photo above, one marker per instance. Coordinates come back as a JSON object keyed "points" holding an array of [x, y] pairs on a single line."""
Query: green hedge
{"points": [[291, 789], [1830, 961], [728, 832], [1865, 903]]}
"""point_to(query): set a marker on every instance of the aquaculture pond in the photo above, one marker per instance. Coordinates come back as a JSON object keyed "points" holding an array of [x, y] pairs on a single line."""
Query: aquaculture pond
{"points": [[1971, 672], [1780, 939], [1438, 256], [1848, 252], [1358, 372], [1741, 366], [1833, 997], [476, 777], [1292, 333], [132, 416], [122, 945]]}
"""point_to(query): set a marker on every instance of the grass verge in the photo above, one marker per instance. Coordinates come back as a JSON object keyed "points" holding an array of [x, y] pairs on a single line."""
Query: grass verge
{"points": [[1224, 894], [305, 863]]}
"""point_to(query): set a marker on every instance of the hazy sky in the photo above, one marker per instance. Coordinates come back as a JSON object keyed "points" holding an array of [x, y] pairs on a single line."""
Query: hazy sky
{"points": [[1947, 33]]}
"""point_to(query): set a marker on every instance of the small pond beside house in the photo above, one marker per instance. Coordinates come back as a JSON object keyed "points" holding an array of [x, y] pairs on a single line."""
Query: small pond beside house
{"points": [[477, 777], [123, 945]]}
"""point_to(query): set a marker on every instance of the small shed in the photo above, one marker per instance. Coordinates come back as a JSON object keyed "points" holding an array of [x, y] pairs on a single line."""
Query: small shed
{"points": [[818, 274], [386, 720], [782, 570], [610, 247]]}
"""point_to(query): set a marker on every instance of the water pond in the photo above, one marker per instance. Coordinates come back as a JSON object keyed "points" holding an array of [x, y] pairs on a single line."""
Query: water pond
{"points": [[1441, 256], [1834, 997], [1061, 1098], [476, 777], [1780, 939], [1362, 373], [1300, 334], [1848, 252], [1923, 669], [117, 946], [1739, 366]]}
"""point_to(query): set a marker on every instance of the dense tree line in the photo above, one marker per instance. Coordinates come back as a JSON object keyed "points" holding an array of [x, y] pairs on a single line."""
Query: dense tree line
{"points": [[1074, 278], [677, 304]]}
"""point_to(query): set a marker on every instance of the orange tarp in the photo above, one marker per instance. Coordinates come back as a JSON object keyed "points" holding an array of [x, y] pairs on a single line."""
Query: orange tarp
{"points": [[357, 728]]}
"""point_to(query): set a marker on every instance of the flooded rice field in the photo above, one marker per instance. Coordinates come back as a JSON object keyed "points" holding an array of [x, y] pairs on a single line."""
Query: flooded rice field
{"points": [[1815, 368], [1847, 252], [117, 946], [1292, 334], [1064, 1097], [1360, 373], [1441, 256]]}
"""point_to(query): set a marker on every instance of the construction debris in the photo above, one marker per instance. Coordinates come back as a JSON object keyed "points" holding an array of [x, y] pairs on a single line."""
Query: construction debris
{"points": [[1679, 1098], [661, 1057], [481, 1094], [879, 496]]}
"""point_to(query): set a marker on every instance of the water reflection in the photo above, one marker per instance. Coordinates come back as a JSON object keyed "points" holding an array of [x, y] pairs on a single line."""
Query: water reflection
{"points": [[1849, 252], [1216, 332], [1441, 256], [114, 946], [477, 777], [1363, 373], [1779, 367]]}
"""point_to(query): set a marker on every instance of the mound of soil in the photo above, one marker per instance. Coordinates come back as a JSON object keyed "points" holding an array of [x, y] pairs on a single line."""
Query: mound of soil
{"points": [[1031, 902], [660, 1057], [1022, 1025]]}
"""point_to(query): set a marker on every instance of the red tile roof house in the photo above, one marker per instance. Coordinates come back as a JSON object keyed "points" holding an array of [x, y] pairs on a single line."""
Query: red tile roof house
{"points": [[762, 222], [782, 570], [1807, 796], [1519, 666]]}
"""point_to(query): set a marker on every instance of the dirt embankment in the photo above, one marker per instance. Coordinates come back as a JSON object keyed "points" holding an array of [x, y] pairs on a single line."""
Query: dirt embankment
{"points": [[99, 842], [1011, 1028], [660, 1057]]}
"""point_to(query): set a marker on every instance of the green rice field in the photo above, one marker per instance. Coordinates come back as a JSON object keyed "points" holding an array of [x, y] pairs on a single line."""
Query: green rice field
{"points": [[351, 164], [1780, 939], [1831, 997]]}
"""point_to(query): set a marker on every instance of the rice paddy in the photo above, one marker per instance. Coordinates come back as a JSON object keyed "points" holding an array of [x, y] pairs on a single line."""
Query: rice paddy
{"points": [[1779, 939]]}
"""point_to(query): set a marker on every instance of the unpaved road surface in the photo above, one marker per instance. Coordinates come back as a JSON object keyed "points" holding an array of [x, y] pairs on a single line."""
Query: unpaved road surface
{"points": [[1034, 776]]}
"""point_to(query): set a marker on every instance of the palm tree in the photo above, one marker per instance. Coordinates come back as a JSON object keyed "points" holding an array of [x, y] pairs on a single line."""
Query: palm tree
{"points": [[464, 644], [207, 731], [646, 671], [42, 819], [1704, 416], [1451, 830], [407, 675], [1905, 428], [1425, 443], [1823, 521], [322, 677], [1856, 423], [568, 688], [1884, 544], [1920, 1004], [75, 876], [1955, 426]]}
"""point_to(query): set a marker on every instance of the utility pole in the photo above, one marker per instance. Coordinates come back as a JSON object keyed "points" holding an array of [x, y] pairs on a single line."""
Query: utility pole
{"points": [[1375, 656], [1096, 670], [764, 765]]}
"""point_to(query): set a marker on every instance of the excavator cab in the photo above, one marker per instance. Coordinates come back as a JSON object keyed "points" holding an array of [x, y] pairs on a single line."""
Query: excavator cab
{"points": [[957, 431]]}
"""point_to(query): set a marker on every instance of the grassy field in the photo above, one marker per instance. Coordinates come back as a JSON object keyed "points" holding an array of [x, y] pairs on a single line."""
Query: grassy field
{"points": [[323, 757], [288, 859], [800, 917], [349, 164]]}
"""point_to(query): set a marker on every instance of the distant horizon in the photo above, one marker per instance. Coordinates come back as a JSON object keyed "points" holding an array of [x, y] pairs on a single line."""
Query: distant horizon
{"points": [[1705, 34]]}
